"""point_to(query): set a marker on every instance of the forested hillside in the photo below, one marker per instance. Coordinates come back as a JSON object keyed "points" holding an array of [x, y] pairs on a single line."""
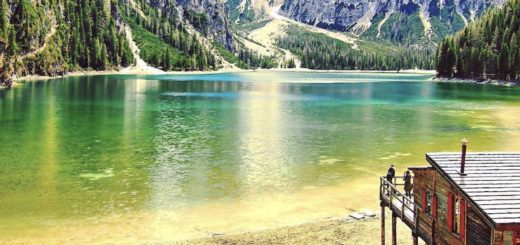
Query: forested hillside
{"points": [[318, 51], [486, 49], [163, 37], [50, 38]]}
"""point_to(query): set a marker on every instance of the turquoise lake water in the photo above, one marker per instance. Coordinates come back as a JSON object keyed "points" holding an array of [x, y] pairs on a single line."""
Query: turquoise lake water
{"points": [[159, 158]]}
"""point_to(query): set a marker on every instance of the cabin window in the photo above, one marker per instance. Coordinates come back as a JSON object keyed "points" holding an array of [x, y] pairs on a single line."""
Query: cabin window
{"points": [[434, 207], [429, 198], [499, 237], [508, 238], [456, 216]]}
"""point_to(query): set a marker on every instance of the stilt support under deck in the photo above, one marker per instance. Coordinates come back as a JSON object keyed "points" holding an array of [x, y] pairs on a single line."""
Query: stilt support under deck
{"points": [[394, 228], [382, 224], [401, 206], [415, 238]]}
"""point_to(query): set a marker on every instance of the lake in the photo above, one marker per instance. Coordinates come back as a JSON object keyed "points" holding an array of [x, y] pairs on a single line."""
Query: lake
{"points": [[160, 158]]}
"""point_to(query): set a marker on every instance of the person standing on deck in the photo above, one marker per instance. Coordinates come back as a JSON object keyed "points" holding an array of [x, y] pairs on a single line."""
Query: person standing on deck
{"points": [[390, 174], [408, 183]]}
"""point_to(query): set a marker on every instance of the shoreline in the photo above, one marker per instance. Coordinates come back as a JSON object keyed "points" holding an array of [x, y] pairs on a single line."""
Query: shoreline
{"points": [[331, 230], [134, 71], [18, 81], [342, 229], [475, 81]]}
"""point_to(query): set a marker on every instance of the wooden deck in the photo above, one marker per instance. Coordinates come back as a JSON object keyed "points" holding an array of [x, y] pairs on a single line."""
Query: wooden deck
{"points": [[401, 206]]}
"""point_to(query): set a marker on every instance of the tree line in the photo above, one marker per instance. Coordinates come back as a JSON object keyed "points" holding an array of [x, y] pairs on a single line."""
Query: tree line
{"points": [[486, 49]]}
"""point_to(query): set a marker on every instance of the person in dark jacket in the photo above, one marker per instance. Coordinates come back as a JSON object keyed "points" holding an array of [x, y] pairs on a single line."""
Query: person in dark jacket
{"points": [[390, 174], [408, 184]]}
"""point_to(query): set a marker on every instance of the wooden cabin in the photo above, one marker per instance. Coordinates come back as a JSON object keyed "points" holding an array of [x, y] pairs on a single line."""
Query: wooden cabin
{"points": [[460, 198]]}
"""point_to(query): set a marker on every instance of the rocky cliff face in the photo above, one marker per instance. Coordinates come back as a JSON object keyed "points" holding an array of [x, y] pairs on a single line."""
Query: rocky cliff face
{"points": [[217, 14], [245, 11], [402, 21], [210, 17], [330, 14]]}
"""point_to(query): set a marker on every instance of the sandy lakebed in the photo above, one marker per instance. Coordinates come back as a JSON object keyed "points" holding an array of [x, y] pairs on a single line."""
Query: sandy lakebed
{"points": [[333, 230]]}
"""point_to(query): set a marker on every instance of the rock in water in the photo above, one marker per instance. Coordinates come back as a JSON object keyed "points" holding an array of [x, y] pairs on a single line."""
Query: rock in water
{"points": [[9, 83], [357, 216], [369, 214]]}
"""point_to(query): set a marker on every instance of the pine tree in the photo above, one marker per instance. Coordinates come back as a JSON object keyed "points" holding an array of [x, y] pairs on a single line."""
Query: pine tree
{"points": [[12, 47], [167, 60], [488, 47], [4, 21]]}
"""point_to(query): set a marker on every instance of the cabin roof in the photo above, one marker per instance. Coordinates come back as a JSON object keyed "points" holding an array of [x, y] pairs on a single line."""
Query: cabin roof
{"points": [[492, 182]]}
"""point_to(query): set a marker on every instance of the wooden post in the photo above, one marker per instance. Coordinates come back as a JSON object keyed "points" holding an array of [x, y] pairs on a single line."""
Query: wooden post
{"points": [[415, 238], [416, 226], [382, 223], [394, 228], [433, 233], [402, 207]]}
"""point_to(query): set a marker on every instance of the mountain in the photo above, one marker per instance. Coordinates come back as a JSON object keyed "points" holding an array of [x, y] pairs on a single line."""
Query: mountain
{"points": [[347, 34], [260, 25], [55, 37], [177, 35], [398, 21], [487, 49]]}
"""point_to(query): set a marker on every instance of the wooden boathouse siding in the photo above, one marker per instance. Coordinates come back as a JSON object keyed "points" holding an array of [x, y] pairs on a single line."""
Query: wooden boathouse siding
{"points": [[477, 230], [491, 188]]}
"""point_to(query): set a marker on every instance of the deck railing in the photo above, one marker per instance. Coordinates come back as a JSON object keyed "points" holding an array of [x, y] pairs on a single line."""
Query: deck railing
{"points": [[398, 202]]}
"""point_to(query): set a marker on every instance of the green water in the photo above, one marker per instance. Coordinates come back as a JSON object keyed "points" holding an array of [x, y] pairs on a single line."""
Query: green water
{"points": [[167, 154]]}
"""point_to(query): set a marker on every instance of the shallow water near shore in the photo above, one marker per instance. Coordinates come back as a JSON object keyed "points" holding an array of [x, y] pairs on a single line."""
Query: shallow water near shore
{"points": [[162, 158]]}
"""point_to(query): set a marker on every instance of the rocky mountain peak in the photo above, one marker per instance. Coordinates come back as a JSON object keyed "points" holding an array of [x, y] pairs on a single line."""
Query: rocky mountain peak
{"points": [[402, 21]]}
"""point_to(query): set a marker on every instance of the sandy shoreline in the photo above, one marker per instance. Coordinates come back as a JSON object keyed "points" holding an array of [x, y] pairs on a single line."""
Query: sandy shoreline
{"points": [[332, 230], [133, 71]]}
